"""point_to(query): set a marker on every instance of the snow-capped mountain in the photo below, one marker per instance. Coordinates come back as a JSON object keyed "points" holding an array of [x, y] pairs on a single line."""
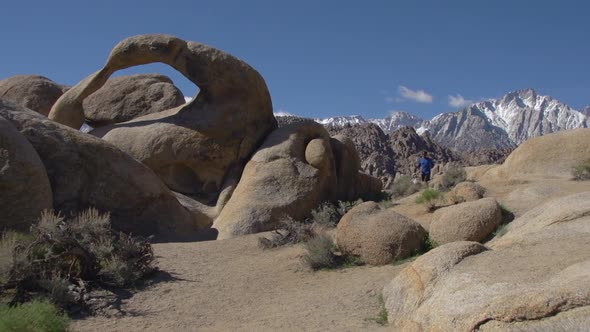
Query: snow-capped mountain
{"points": [[586, 111], [501, 123], [390, 123]]}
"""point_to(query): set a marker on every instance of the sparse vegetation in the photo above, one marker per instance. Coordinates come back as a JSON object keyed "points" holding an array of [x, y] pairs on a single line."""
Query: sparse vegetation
{"points": [[382, 318], [33, 316], [452, 176], [327, 214], [454, 198], [581, 171], [429, 198], [289, 232], [403, 186], [320, 252], [62, 257]]}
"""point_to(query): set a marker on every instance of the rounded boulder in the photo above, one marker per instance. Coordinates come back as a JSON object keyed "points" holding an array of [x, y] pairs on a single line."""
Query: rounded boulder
{"points": [[24, 186], [34, 92], [469, 191], [469, 221], [378, 236]]}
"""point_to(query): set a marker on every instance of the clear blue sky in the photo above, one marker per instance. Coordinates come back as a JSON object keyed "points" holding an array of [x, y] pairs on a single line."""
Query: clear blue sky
{"points": [[326, 58]]}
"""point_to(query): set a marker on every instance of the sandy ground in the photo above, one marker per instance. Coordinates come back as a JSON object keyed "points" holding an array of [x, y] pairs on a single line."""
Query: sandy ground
{"points": [[233, 285]]}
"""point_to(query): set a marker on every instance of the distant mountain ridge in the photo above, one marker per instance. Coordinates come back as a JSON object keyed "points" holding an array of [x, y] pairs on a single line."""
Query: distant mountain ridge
{"points": [[492, 124]]}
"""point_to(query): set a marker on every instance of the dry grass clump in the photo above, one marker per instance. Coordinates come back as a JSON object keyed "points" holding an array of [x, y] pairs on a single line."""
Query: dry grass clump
{"points": [[403, 186], [62, 258], [581, 171], [452, 176], [320, 252]]}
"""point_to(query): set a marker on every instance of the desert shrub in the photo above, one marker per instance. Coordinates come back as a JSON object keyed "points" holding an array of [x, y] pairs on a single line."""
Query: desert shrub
{"points": [[403, 186], [62, 253], [507, 218], [429, 197], [33, 316], [452, 176], [581, 171], [382, 316], [289, 231], [319, 252], [326, 214]]}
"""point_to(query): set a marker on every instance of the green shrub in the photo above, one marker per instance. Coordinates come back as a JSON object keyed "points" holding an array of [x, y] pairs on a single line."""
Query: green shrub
{"points": [[452, 176], [319, 252], [429, 197], [382, 317], [33, 316], [403, 186], [581, 171]]}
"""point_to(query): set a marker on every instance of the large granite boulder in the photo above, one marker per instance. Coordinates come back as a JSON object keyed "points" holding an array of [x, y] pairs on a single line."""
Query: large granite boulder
{"points": [[469, 221], [552, 155], [294, 170], [24, 186], [85, 171], [533, 278], [378, 236], [194, 146], [468, 191], [31, 91], [125, 98]]}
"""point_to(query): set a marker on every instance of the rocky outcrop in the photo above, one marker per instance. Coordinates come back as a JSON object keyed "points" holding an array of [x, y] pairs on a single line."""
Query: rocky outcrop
{"points": [[34, 92], [378, 236], [407, 146], [470, 221], [468, 191], [24, 185], [192, 147], [85, 171], [535, 276], [485, 156], [297, 167], [125, 98], [551, 155], [375, 154]]}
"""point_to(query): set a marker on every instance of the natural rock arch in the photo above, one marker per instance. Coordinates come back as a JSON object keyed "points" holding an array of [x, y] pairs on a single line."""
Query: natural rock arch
{"points": [[194, 146]]}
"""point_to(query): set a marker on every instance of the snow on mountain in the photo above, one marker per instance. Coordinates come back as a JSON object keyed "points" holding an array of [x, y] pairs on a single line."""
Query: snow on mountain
{"points": [[498, 123]]}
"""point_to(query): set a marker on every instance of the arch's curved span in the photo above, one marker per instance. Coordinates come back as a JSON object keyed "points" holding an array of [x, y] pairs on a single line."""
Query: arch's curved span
{"points": [[191, 147]]}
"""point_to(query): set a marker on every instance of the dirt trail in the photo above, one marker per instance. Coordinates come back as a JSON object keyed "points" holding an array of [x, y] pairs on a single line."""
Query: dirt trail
{"points": [[234, 285]]}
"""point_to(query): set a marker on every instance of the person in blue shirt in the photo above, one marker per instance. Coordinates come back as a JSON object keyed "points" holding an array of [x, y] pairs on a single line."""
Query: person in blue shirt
{"points": [[426, 164]]}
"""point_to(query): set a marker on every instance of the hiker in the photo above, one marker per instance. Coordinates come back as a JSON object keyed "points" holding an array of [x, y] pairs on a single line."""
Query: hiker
{"points": [[425, 164]]}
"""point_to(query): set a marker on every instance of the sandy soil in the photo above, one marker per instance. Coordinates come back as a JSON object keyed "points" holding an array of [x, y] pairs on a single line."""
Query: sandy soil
{"points": [[234, 285]]}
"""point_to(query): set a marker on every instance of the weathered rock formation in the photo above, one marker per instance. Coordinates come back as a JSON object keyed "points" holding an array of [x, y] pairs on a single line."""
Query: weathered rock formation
{"points": [[297, 167], [407, 146], [376, 156], [551, 155], [470, 221], [125, 98], [378, 236], [85, 171], [24, 185], [468, 191], [31, 91], [535, 277], [194, 146]]}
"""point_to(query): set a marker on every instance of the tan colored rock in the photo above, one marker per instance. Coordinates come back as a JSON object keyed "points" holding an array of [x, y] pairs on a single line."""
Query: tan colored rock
{"points": [[124, 98], [24, 186], [194, 146], [31, 91], [290, 174], [85, 171], [470, 221], [468, 191], [378, 236], [535, 276], [552, 155]]}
